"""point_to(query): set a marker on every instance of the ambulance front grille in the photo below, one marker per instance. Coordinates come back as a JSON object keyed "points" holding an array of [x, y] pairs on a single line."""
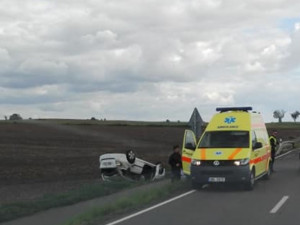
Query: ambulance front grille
{"points": [[222, 163]]}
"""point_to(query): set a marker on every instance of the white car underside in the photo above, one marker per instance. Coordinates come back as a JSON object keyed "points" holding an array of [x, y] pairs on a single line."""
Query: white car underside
{"points": [[129, 167]]}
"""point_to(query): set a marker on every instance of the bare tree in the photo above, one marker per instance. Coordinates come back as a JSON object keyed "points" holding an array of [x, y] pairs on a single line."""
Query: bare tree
{"points": [[279, 114], [295, 115]]}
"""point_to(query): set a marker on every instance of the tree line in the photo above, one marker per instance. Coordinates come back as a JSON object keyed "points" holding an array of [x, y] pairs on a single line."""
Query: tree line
{"points": [[279, 114]]}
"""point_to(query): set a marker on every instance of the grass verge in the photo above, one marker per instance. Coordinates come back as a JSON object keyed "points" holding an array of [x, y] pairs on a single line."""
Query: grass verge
{"points": [[19, 209], [97, 215]]}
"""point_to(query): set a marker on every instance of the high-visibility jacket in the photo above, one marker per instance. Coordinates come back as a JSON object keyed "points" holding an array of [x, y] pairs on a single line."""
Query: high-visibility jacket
{"points": [[273, 141]]}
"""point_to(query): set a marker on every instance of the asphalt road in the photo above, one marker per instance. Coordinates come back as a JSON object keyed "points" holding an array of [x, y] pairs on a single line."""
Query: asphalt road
{"points": [[272, 202]]}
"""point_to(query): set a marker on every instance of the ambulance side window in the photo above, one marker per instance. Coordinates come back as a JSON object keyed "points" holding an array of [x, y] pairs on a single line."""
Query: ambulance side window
{"points": [[189, 141], [254, 139]]}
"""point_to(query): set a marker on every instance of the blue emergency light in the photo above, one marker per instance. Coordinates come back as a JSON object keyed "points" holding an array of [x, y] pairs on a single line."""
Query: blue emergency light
{"points": [[226, 109]]}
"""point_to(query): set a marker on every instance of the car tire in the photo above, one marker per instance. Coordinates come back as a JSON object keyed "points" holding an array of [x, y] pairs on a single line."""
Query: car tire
{"points": [[249, 185], [161, 168], [130, 156]]}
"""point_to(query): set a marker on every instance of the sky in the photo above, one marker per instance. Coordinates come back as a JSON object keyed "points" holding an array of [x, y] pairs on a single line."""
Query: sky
{"points": [[148, 60]]}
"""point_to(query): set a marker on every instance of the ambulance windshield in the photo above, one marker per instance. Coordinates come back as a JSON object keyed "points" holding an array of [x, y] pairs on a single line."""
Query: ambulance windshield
{"points": [[225, 139]]}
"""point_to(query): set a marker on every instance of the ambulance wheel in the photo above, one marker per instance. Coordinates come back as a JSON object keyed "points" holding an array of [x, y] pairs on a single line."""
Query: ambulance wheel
{"points": [[196, 185], [269, 172], [251, 181]]}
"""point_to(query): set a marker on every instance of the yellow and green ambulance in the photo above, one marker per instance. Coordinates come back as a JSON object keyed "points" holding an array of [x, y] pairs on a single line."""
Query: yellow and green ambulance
{"points": [[234, 148]]}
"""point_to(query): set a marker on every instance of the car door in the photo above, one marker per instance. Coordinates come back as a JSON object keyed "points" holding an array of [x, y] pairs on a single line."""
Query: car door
{"points": [[257, 154], [188, 148]]}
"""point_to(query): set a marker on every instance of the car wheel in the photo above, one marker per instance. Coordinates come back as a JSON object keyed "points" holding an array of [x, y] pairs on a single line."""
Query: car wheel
{"points": [[161, 169], [130, 156], [251, 181]]}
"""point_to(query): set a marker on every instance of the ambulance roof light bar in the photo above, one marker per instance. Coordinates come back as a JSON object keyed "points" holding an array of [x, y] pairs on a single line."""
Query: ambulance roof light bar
{"points": [[226, 109]]}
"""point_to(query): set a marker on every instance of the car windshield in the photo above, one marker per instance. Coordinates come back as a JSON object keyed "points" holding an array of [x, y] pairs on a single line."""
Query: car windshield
{"points": [[225, 139]]}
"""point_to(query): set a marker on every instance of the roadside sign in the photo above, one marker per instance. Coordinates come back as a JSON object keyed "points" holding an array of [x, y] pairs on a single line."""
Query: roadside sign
{"points": [[196, 123]]}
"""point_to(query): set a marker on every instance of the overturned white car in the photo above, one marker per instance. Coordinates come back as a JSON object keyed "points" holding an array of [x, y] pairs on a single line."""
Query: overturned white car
{"points": [[129, 167]]}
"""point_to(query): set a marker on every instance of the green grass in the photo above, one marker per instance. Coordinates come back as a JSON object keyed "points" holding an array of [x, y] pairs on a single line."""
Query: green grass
{"points": [[19, 209], [134, 201]]}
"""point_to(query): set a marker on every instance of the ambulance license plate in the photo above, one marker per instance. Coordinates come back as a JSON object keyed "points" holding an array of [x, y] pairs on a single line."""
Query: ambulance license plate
{"points": [[216, 179]]}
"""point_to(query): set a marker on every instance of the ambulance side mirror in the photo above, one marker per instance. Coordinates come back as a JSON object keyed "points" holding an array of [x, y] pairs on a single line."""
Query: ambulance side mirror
{"points": [[257, 145]]}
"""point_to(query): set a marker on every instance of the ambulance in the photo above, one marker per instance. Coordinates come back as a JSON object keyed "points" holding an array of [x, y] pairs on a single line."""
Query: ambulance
{"points": [[234, 148]]}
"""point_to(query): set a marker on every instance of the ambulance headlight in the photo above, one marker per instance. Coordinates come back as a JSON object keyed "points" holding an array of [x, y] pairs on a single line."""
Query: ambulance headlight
{"points": [[237, 162], [196, 162], [118, 163], [241, 162]]}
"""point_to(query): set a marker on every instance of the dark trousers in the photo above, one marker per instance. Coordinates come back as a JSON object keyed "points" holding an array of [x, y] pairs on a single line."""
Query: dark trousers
{"points": [[176, 175], [273, 159]]}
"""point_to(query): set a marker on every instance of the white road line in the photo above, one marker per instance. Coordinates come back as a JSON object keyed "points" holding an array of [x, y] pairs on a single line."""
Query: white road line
{"points": [[279, 156], [151, 208], [279, 204]]}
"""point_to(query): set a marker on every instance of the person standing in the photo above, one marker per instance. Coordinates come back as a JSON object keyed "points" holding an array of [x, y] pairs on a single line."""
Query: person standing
{"points": [[274, 143], [175, 163]]}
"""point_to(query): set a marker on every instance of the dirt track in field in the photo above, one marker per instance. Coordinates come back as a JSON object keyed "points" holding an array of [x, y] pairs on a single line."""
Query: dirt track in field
{"points": [[37, 158]]}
